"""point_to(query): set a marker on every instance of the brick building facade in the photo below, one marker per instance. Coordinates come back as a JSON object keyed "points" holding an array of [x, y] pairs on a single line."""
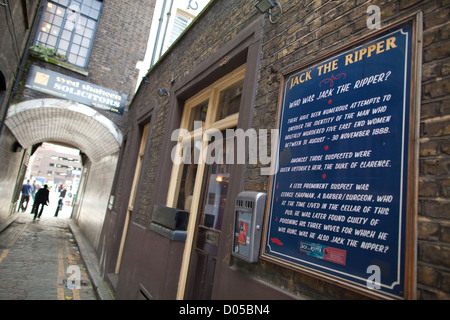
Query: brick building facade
{"points": [[17, 20], [141, 261], [102, 41]]}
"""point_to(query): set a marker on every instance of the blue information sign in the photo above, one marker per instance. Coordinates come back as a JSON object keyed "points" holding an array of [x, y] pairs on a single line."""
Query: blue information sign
{"points": [[338, 198]]}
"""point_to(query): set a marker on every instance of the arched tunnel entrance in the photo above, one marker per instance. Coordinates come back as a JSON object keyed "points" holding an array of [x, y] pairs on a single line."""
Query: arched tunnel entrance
{"points": [[78, 126], [66, 122]]}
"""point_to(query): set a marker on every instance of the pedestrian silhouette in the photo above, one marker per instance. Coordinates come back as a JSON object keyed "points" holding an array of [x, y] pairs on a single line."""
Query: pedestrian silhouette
{"points": [[40, 200], [27, 190], [35, 189], [62, 194]]}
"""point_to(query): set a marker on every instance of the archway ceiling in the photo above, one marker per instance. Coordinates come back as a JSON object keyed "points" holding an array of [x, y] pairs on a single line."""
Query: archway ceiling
{"points": [[55, 120]]}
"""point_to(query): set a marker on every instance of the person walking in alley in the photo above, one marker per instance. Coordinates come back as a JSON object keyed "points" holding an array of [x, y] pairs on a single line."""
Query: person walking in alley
{"points": [[62, 195], [35, 189], [27, 190], [41, 200]]}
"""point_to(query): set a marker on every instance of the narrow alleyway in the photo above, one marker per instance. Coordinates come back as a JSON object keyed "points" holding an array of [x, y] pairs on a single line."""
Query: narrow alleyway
{"points": [[39, 259]]}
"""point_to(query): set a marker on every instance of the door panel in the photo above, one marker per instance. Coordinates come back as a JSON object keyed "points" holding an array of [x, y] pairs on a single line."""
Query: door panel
{"points": [[202, 187], [213, 199]]}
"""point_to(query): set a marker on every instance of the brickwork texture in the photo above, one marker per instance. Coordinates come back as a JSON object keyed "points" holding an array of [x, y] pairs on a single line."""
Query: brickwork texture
{"points": [[306, 30]]}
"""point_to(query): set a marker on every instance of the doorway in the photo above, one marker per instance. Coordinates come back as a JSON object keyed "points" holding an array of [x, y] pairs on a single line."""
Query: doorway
{"points": [[200, 178], [137, 173], [209, 226]]}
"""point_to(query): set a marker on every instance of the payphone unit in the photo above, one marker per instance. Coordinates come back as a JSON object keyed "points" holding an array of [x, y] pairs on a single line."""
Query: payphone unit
{"points": [[248, 219]]}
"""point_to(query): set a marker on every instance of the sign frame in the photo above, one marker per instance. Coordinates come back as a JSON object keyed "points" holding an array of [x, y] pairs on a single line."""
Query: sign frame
{"points": [[63, 86], [411, 188]]}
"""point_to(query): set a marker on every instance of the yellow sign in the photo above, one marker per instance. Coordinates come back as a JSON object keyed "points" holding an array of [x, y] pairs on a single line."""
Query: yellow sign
{"points": [[41, 78]]}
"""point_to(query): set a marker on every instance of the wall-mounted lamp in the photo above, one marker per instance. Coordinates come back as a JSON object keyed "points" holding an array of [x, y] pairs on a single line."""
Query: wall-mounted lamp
{"points": [[163, 92], [266, 6]]}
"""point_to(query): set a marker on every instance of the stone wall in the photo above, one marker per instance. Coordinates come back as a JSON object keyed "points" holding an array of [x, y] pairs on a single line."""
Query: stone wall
{"points": [[15, 22], [95, 198]]}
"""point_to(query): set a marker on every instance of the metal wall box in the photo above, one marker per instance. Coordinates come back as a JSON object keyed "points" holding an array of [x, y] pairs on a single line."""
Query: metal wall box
{"points": [[169, 222], [248, 219], [171, 218]]}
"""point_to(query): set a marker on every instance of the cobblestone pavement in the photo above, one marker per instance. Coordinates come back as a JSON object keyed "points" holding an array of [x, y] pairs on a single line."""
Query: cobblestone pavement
{"points": [[40, 260]]}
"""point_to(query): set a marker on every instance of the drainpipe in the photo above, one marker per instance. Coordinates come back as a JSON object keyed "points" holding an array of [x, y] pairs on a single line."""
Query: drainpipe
{"points": [[165, 30], [158, 32]]}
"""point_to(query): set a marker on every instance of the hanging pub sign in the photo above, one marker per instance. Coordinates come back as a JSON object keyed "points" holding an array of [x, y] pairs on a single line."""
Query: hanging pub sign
{"points": [[60, 85], [342, 201]]}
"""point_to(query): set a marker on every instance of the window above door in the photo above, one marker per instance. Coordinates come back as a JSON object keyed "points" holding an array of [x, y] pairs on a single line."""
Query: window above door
{"points": [[215, 107]]}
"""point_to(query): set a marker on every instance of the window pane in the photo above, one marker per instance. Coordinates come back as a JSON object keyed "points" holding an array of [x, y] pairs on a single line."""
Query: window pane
{"points": [[96, 4], [91, 24], [198, 113], [188, 176], [60, 12], [77, 39], [69, 25], [81, 61], [58, 21], [230, 100], [85, 10], [85, 43], [74, 49], [55, 30], [48, 17], [217, 181], [63, 45], [88, 33], [66, 35], [51, 42], [94, 13], [45, 28], [72, 58], [51, 7], [82, 21], [79, 30], [43, 38], [181, 22], [83, 52]]}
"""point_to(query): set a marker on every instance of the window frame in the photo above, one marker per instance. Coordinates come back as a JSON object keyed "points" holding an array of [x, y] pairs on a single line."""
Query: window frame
{"points": [[65, 17], [212, 95]]}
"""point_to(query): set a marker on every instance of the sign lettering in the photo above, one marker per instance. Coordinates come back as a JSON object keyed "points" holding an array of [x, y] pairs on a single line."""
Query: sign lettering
{"points": [[337, 203], [66, 87]]}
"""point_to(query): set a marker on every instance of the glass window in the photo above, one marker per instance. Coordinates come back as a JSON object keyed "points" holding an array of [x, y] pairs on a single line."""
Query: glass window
{"points": [[204, 161], [181, 22], [66, 25], [216, 188], [187, 183], [230, 99], [198, 113]]}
